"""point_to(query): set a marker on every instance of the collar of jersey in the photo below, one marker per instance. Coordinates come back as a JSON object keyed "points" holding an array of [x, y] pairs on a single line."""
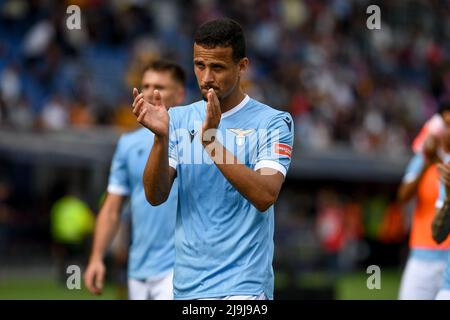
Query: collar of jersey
{"points": [[236, 108]]}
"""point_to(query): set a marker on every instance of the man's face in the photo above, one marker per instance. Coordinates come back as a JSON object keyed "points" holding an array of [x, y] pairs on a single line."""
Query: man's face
{"points": [[215, 68], [172, 92]]}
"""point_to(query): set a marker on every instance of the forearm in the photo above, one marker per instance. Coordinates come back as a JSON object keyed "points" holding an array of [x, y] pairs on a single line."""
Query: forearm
{"points": [[408, 189], [105, 228], [255, 187], [156, 177]]}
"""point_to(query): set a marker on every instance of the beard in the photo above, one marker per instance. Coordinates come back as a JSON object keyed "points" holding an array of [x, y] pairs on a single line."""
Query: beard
{"points": [[223, 96], [205, 98]]}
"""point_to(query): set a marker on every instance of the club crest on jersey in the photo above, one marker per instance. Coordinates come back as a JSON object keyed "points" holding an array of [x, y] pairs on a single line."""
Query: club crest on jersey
{"points": [[240, 135]]}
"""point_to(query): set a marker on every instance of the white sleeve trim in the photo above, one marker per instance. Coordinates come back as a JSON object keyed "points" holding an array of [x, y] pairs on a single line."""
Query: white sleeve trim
{"points": [[271, 164], [173, 163], [409, 177], [118, 190]]}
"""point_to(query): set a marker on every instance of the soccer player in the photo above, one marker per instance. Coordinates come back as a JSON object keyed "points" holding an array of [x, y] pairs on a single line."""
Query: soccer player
{"points": [[423, 275], [442, 218], [230, 154], [151, 256]]}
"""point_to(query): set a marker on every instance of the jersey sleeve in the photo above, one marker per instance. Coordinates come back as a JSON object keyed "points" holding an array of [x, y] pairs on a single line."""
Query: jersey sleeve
{"points": [[173, 151], [414, 168], [435, 126], [118, 182], [275, 144]]}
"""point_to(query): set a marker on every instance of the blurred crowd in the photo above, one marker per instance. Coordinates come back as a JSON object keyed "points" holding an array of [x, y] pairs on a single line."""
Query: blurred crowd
{"points": [[343, 83], [339, 228]]}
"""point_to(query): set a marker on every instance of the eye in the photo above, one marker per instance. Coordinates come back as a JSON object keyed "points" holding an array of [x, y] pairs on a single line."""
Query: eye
{"points": [[218, 68], [200, 65]]}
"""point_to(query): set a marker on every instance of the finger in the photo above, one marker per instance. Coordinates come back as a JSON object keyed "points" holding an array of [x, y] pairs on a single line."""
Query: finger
{"points": [[137, 108], [137, 98], [441, 168], [211, 102], [444, 178], [216, 99], [216, 102], [157, 98], [209, 111], [142, 115], [87, 280], [135, 92], [99, 281]]}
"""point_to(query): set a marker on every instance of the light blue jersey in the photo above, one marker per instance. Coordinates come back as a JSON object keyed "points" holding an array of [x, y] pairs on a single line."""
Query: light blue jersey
{"points": [[152, 250], [415, 166], [224, 245]]}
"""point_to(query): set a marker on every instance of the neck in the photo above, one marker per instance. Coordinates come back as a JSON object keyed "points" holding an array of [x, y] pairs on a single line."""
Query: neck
{"points": [[231, 101]]}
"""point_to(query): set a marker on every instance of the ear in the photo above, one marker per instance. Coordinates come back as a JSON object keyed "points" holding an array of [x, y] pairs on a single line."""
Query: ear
{"points": [[181, 93], [243, 65]]}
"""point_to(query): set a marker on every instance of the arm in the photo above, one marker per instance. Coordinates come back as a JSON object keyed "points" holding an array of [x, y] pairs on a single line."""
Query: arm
{"points": [[107, 224], [408, 188], [158, 176], [260, 187], [417, 167]]}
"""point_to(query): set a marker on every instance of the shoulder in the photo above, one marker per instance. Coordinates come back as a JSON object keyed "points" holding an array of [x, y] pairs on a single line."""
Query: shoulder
{"points": [[271, 116], [182, 110], [128, 139], [193, 110]]}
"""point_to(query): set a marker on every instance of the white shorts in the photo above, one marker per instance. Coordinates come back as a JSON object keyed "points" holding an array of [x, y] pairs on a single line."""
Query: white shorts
{"points": [[421, 279], [443, 294], [262, 296], [155, 288]]}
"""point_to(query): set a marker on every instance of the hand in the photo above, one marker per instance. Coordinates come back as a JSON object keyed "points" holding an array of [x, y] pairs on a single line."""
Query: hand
{"points": [[444, 171], [152, 116], [94, 276], [212, 119], [430, 150]]}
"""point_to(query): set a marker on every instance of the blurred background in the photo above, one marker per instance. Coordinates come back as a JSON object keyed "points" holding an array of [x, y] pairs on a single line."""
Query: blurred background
{"points": [[358, 98]]}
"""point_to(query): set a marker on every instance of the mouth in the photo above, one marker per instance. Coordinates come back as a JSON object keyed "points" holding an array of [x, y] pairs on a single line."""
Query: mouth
{"points": [[206, 88]]}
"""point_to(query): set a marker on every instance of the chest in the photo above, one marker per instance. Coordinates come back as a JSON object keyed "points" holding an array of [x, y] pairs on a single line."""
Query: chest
{"points": [[242, 140]]}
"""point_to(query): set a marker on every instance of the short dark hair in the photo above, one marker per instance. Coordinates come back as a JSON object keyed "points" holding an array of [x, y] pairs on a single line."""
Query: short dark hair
{"points": [[444, 105], [176, 70], [223, 32]]}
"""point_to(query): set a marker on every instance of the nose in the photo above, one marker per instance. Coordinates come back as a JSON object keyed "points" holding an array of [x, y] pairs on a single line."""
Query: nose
{"points": [[208, 76]]}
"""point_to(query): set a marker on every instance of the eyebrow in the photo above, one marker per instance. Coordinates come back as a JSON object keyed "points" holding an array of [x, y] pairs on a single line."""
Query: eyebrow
{"points": [[212, 64]]}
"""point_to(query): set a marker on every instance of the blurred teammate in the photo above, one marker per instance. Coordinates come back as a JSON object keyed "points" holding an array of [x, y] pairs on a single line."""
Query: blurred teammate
{"points": [[230, 154], [151, 255], [442, 218], [423, 275], [72, 223]]}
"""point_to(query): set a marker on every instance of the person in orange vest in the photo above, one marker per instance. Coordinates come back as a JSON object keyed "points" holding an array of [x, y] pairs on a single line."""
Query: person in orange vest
{"points": [[423, 274]]}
